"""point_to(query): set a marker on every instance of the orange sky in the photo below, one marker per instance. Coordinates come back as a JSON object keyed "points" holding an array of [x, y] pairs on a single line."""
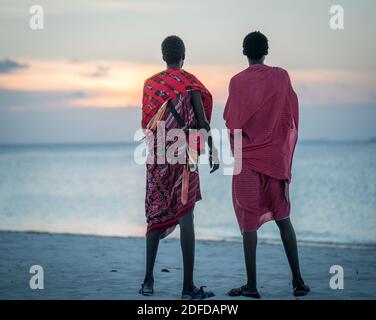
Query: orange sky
{"points": [[119, 84]]}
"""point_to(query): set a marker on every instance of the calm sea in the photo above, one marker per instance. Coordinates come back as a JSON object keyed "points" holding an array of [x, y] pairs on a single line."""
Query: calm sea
{"points": [[99, 189]]}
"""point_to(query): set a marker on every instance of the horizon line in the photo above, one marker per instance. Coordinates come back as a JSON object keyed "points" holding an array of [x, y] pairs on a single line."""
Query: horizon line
{"points": [[128, 142]]}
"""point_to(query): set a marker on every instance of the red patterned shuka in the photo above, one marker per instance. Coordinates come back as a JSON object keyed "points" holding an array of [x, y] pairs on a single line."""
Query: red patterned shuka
{"points": [[171, 189]]}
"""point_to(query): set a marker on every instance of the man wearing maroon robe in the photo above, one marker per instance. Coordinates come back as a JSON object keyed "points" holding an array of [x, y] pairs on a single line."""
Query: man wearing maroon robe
{"points": [[263, 104]]}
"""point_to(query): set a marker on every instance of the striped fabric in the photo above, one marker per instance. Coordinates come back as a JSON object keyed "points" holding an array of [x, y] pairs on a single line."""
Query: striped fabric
{"points": [[171, 189]]}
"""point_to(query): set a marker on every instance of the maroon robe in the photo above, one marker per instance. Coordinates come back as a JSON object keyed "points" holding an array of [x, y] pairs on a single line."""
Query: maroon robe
{"points": [[264, 105]]}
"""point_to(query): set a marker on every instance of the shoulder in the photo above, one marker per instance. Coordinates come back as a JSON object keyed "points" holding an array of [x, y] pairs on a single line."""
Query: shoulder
{"points": [[239, 76], [191, 78], [153, 82], [281, 72], [189, 75], [154, 77], [281, 75]]}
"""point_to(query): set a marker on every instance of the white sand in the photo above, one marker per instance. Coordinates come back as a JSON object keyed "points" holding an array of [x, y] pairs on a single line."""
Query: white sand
{"points": [[90, 267]]}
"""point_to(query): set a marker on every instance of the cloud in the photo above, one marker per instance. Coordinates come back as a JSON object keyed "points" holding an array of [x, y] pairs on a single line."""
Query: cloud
{"points": [[8, 65], [19, 100], [78, 94], [100, 71], [325, 87], [112, 83]]}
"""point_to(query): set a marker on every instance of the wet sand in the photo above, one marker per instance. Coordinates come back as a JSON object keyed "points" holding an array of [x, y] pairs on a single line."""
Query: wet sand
{"points": [[92, 267]]}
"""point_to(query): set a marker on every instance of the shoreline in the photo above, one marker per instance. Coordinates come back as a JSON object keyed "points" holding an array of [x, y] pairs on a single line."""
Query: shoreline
{"points": [[134, 143], [273, 242]]}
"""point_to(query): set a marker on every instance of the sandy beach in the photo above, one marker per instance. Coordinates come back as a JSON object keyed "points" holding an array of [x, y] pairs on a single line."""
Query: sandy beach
{"points": [[92, 267]]}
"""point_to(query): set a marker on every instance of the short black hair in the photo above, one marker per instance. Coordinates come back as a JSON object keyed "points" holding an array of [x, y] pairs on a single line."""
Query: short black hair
{"points": [[255, 45], [173, 49]]}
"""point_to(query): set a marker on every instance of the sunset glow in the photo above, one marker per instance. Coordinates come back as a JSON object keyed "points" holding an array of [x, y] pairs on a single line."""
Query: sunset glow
{"points": [[81, 76], [119, 84]]}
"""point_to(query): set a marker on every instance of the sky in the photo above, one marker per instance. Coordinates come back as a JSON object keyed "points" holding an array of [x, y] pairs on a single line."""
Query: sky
{"points": [[80, 78]]}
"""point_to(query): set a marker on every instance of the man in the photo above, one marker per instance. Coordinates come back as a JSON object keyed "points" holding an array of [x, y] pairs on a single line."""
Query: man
{"points": [[174, 99], [263, 104]]}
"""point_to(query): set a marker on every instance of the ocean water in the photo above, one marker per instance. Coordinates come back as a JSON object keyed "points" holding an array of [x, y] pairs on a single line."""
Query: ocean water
{"points": [[99, 189]]}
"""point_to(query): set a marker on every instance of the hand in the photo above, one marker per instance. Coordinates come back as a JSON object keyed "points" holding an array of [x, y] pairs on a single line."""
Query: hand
{"points": [[213, 159], [286, 188]]}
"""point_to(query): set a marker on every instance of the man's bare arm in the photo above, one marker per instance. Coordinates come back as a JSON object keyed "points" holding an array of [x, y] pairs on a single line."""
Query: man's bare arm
{"points": [[204, 124]]}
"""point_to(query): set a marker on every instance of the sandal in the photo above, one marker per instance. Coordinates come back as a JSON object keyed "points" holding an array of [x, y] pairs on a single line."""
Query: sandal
{"points": [[244, 291], [300, 289], [196, 294], [146, 290]]}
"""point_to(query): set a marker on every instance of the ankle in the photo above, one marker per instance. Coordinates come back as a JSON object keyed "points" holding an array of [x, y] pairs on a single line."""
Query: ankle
{"points": [[251, 286], [297, 280], [188, 287], [149, 280]]}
